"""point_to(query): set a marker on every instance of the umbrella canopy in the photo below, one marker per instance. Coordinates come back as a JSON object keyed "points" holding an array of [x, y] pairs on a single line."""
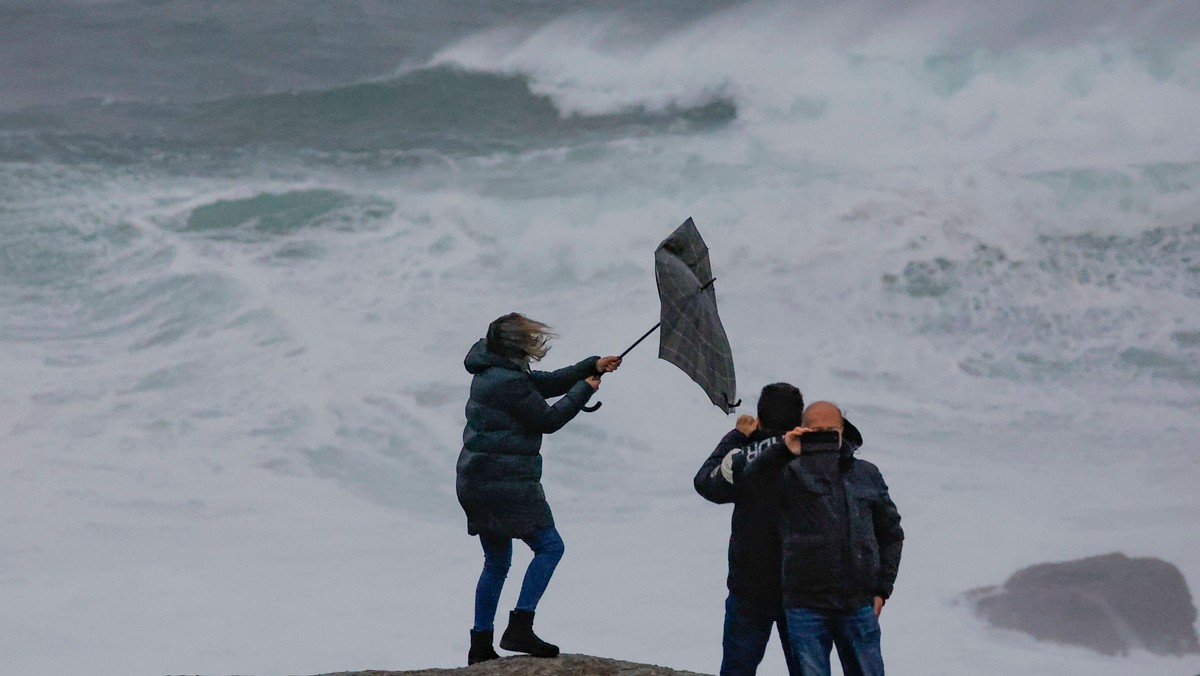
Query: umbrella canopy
{"points": [[692, 336]]}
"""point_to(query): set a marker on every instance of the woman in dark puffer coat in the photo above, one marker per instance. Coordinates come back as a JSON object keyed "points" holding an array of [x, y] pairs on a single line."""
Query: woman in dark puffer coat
{"points": [[500, 469]]}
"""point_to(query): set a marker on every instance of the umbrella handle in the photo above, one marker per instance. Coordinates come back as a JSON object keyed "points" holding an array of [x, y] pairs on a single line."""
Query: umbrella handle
{"points": [[592, 409]]}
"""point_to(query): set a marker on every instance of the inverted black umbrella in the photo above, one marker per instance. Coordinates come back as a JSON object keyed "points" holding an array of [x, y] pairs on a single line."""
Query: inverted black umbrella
{"points": [[692, 336]]}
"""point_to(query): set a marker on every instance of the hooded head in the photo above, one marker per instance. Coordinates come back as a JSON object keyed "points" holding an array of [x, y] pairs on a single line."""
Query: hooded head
{"points": [[519, 338], [827, 416]]}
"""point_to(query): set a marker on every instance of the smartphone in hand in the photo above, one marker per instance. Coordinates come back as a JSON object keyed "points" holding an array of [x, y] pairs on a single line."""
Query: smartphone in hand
{"points": [[828, 441]]}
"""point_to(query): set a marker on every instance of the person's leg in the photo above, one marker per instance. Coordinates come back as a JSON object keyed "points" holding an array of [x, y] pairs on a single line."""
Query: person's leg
{"points": [[790, 659], [497, 558], [747, 630], [858, 646], [809, 640], [548, 549], [519, 636]]}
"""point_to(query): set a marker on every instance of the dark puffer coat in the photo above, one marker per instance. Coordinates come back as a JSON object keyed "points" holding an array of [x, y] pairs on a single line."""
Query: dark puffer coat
{"points": [[500, 467], [840, 530], [755, 551]]}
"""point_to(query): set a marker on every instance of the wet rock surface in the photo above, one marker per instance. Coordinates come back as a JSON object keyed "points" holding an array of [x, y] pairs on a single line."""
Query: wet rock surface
{"points": [[563, 665], [1110, 603]]}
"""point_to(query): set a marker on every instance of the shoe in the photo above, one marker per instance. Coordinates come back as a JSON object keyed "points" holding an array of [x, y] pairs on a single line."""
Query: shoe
{"points": [[519, 636], [481, 648]]}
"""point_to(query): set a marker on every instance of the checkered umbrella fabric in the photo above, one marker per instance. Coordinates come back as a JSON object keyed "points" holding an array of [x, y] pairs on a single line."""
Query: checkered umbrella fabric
{"points": [[692, 336]]}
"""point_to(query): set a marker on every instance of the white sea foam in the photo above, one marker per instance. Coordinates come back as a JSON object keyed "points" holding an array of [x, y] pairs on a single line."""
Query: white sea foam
{"points": [[842, 89]]}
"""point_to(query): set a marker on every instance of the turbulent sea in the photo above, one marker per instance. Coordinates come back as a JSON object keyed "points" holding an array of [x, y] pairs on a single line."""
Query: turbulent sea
{"points": [[244, 247]]}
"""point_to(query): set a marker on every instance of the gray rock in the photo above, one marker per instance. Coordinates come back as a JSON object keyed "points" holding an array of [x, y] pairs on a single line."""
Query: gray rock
{"points": [[1108, 603], [563, 665]]}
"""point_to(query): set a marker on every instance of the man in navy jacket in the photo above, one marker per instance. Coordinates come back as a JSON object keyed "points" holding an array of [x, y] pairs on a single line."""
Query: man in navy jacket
{"points": [[841, 543]]}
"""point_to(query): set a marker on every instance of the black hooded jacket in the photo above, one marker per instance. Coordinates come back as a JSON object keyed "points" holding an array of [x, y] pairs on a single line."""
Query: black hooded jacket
{"points": [[840, 531], [500, 466], [755, 551]]}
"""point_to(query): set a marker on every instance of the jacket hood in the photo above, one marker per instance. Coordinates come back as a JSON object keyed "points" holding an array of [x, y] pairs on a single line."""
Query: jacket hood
{"points": [[851, 441], [851, 435], [480, 359]]}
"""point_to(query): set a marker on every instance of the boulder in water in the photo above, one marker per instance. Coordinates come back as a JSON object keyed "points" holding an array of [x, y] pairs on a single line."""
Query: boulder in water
{"points": [[1109, 603]]}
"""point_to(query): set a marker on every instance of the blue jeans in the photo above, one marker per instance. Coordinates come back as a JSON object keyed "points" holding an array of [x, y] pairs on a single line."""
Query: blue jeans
{"points": [[547, 549], [747, 629], [812, 633]]}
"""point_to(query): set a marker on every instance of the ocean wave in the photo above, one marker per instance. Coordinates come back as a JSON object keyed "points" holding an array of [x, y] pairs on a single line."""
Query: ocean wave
{"points": [[270, 214], [894, 83], [450, 109], [445, 109]]}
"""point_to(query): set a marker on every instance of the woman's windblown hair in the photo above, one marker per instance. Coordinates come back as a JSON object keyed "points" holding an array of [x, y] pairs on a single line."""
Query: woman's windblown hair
{"points": [[519, 338]]}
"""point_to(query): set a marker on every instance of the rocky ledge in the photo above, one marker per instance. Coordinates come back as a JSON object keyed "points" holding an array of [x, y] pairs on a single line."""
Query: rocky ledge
{"points": [[563, 665]]}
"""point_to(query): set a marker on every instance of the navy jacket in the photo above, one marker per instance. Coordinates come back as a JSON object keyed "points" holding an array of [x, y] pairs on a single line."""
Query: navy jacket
{"points": [[755, 551], [839, 528], [499, 470]]}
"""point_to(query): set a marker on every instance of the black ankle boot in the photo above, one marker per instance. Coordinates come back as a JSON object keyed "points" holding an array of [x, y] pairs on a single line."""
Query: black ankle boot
{"points": [[519, 636], [481, 648]]}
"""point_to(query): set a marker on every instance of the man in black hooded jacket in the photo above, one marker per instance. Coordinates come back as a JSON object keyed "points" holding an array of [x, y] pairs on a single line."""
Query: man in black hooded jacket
{"points": [[754, 603]]}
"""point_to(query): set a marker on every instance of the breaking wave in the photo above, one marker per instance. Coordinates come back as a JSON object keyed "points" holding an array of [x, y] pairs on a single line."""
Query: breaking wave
{"points": [[443, 109]]}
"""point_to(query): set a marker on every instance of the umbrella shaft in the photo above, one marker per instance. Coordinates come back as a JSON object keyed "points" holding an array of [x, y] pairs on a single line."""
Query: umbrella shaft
{"points": [[639, 340]]}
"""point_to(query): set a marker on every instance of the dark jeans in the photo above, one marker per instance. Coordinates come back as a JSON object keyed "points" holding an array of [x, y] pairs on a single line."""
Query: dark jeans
{"points": [[812, 633], [547, 549], [747, 629]]}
